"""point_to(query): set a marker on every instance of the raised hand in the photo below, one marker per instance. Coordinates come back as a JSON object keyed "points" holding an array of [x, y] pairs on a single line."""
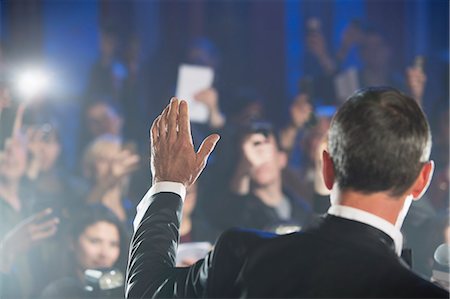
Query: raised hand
{"points": [[257, 150], [23, 236], [173, 157], [124, 163], [300, 111], [416, 79], [211, 99]]}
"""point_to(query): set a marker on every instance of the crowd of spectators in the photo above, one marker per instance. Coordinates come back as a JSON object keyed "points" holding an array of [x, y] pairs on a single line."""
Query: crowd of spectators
{"points": [[58, 225]]}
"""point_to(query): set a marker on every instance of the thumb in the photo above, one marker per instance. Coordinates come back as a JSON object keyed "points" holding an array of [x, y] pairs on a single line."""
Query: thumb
{"points": [[207, 147]]}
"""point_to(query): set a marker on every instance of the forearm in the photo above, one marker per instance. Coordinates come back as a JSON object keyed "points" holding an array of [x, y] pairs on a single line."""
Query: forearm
{"points": [[240, 182], [217, 120], [151, 269], [100, 189], [327, 64], [288, 136]]}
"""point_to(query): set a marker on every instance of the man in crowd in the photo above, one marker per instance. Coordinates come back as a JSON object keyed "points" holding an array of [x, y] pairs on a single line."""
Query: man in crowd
{"points": [[258, 199], [376, 163]]}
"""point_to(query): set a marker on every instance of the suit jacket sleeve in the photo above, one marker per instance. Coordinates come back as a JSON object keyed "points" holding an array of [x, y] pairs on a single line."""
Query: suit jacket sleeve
{"points": [[151, 268]]}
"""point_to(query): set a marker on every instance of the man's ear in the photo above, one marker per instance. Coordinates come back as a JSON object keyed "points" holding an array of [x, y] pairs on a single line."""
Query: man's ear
{"points": [[327, 170], [422, 182]]}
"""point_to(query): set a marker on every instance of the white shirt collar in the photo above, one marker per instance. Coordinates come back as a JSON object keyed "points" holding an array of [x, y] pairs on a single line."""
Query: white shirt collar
{"points": [[369, 219]]}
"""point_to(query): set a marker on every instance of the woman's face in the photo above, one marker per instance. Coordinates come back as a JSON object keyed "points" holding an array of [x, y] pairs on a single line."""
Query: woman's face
{"points": [[98, 246]]}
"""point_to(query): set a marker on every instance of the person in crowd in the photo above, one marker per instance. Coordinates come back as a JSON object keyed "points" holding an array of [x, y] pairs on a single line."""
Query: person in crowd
{"points": [[300, 112], [50, 183], [13, 166], [258, 199], [14, 201], [18, 241], [439, 189], [376, 56], [361, 230], [194, 226], [97, 241], [102, 118], [107, 165], [107, 74], [49, 186], [305, 180], [134, 95]]}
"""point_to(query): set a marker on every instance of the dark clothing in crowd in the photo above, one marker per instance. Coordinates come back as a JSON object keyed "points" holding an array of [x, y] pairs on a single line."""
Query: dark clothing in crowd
{"points": [[72, 288], [250, 212], [20, 281], [336, 258], [201, 231]]}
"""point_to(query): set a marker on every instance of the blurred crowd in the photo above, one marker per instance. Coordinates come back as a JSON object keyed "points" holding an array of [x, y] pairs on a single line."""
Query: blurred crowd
{"points": [[64, 232]]}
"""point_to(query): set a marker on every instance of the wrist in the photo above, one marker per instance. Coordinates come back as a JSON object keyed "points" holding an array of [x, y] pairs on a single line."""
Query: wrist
{"points": [[217, 119], [168, 186]]}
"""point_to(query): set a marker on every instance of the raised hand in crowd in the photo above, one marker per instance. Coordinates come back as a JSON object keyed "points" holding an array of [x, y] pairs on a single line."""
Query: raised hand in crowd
{"points": [[24, 235], [352, 36], [256, 150], [416, 80], [109, 166], [13, 164], [173, 157], [210, 98], [300, 113], [316, 43], [5, 98]]}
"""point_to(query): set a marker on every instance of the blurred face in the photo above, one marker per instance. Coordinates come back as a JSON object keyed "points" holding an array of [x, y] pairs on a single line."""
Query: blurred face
{"points": [[51, 151], [102, 120], [13, 161], [104, 159], [267, 161], [315, 139], [98, 246], [200, 56], [254, 110], [374, 51]]}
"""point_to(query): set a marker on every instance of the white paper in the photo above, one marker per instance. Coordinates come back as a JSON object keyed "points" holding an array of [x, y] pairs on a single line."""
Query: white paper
{"points": [[191, 80], [189, 253], [346, 83]]}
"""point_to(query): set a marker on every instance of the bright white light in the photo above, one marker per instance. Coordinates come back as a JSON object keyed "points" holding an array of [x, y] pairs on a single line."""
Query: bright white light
{"points": [[32, 83]]}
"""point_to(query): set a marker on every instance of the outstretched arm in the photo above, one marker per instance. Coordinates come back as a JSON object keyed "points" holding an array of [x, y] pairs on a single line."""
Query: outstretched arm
{"points": [[175, 166]]}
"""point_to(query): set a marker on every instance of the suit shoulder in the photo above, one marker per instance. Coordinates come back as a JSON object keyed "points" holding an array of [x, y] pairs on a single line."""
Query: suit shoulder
{"points": [[228, 257], [423, 288]]}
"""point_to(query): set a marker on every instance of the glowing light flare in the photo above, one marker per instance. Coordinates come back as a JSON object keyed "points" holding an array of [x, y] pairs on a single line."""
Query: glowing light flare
{"points": [[33, 82]]}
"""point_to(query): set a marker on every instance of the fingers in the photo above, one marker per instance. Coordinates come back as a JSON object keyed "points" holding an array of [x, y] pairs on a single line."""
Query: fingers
{"points": [[184, 122], [38, 216], [154, 132], [44, 234], [206, 148], [18, 120], [163, 123], [172, 119]]}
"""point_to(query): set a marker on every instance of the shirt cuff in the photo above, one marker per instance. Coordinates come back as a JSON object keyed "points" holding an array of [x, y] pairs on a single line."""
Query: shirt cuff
{"points": [[158, 187]]}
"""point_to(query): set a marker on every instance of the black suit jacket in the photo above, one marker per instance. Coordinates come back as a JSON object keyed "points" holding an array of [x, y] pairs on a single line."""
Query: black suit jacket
{"points": [[337, 258]]}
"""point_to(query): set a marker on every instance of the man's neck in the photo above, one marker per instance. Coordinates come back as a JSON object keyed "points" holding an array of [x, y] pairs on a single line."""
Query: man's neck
{"points": [[379, 204], [271, 194]]}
